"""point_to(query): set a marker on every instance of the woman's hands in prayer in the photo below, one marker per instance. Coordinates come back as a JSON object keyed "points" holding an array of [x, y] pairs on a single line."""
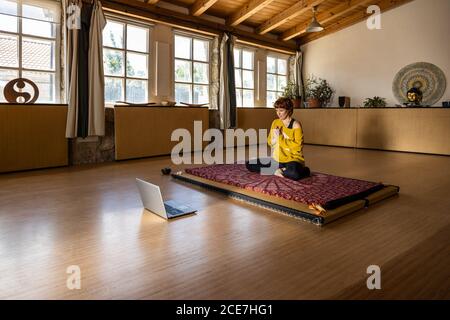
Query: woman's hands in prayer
{"points": [[275, 135]]}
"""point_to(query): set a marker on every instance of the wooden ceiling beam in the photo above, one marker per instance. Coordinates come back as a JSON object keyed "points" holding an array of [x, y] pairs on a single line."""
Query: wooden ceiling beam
{"points": [[246, 11], [151, 1], [296, 10], [324, 17], [200, 6], [385, 5], [156, 14]]}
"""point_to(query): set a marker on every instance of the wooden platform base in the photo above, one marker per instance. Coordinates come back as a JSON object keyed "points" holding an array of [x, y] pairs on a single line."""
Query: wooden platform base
{"points": [[292, 208]]}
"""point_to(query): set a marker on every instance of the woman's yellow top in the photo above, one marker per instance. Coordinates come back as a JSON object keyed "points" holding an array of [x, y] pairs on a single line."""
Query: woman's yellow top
{"points": [[289, 145]]}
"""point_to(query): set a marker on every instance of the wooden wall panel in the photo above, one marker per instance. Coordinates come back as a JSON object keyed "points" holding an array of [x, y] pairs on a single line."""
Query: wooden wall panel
{"points": [[320, 126], [32, 137], [411, 130], [145, 132], [333, 127], [255, 118], [414, 130]]}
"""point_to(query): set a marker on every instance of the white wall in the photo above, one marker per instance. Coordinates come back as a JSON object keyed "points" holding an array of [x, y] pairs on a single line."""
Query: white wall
{"points": [[362, 63]]}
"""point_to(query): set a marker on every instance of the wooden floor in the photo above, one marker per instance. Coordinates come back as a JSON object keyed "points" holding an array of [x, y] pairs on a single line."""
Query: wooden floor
{"points": [[91, 216]]}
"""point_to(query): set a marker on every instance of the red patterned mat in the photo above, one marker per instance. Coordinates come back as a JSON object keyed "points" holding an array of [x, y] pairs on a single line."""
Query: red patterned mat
{"points": [[319, 189]]}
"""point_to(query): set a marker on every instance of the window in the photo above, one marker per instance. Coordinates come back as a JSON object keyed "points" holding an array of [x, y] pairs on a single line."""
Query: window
{"points": [[29, 46], [191, 67], [243, 76], [126, 61], [276, 78]]}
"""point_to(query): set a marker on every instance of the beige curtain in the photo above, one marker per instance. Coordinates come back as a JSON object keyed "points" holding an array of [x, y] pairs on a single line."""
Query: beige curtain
{"points": [[96, 78], [298, 73], [71, 66], [227, 93], [291, 64], [215, 78], [224, 113]]}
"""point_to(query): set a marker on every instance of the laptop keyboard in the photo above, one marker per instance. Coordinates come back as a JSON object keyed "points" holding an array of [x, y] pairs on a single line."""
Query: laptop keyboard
{"points": [[172, 211]]}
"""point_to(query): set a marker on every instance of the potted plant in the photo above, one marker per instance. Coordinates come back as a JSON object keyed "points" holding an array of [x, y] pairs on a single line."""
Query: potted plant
{"points": [[375, 102], [291, 91], [318, 92]]}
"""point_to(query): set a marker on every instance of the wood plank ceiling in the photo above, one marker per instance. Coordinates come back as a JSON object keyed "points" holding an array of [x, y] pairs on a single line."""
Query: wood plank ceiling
{"points": [[284, 20]]}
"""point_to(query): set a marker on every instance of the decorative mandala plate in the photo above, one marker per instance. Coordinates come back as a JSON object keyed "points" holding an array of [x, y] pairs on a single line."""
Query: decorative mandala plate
{"points": [[425, 76]]}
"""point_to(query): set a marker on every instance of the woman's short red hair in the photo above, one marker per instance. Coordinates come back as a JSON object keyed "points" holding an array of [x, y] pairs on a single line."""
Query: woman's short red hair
{"points": [[285, 103]]}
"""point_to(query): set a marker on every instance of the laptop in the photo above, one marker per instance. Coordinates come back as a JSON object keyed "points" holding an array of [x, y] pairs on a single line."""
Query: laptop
{"points": [[152, 200]]}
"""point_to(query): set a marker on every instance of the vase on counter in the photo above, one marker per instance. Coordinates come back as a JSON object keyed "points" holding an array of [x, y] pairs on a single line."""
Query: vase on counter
{"points": [[314, 103], [344, 102], [297, 103]]}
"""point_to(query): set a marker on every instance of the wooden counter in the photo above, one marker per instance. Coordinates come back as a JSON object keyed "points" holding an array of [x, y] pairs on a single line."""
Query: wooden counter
{"points": [[146, 131], [333, 127], [414, 130], [423, 130], [32, 137]]}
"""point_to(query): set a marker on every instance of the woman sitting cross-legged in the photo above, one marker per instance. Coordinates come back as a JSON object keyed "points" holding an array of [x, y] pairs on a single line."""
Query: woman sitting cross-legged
{"points": [[286, 140]]}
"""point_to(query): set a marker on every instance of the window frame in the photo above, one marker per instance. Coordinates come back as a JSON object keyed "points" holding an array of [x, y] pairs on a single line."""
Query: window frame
{"points": [[192, 83], [276, 74], [241, 69], [137, 23], [56, 72]]}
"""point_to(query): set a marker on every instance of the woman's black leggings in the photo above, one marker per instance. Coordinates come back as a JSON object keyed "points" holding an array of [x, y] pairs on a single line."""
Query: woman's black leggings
{"points": [[292, 170]]}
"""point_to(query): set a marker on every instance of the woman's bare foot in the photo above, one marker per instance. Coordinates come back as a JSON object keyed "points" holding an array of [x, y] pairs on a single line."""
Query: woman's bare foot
{"points": [[279, 173]]}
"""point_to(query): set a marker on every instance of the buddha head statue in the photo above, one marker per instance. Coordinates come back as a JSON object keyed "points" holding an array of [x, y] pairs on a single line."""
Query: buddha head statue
{"points": [[414, 95]]}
